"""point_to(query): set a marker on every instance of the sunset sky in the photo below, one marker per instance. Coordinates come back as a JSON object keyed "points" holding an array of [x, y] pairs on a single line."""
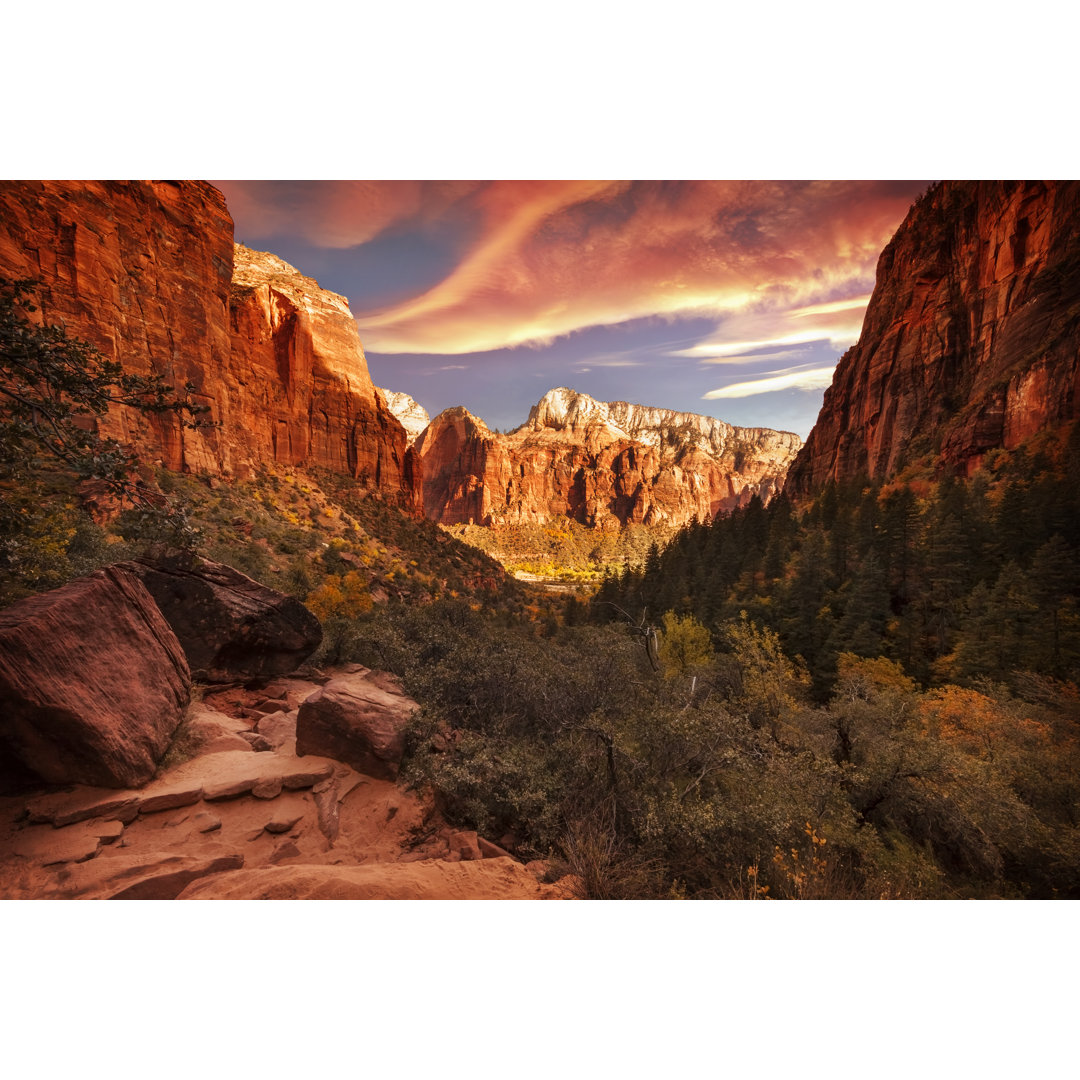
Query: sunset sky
{"points": [[730, 298]]}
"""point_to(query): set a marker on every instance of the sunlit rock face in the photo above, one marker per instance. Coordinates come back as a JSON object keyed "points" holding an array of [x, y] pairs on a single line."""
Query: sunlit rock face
{"points": [[149, 274], [603, 464], [142, 271], [412, 416], [301, 373], [971, 341]]}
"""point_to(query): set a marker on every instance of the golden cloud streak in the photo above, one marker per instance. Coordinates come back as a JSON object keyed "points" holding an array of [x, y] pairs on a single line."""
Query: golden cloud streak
{"points": [[809, 379], [554, 257]]}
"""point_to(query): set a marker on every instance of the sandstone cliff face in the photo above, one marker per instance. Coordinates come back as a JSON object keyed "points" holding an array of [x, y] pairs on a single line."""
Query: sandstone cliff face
{"points": [[601, 464], [971, 341], [145, 271], [299, 374], [142, 271]]}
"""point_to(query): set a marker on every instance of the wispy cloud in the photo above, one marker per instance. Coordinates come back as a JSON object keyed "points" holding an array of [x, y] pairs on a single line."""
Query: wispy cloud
{"points": [[805, 379], [551, 258], [743, 335], [454, 367], [338, 213], [745, 358]]}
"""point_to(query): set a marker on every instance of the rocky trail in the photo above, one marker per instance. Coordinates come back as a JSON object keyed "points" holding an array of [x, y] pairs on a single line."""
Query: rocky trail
{"points": [[236, 813]]}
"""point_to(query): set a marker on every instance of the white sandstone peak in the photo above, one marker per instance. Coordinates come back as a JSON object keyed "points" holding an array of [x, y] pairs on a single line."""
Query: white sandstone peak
{"points": [[412, 415]]}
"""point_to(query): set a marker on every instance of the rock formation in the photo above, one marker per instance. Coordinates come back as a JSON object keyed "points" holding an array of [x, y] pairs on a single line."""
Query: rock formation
{"points": [[303, 380], [603, 464], [359, 720], [971, 341], [148, 273], [230, 822], [411, 415], [93, 681], [229, 626]]}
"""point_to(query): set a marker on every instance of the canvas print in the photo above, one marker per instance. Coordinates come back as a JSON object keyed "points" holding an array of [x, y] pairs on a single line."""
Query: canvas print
{"points": [[555, 540]]}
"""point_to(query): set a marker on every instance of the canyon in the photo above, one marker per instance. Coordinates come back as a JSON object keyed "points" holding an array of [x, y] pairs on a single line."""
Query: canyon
{"points": [[603, 464], [150, 275], [971, 341]]}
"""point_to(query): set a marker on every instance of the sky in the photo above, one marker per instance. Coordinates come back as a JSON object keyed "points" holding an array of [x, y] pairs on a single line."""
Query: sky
{"points": [[733, 299]]}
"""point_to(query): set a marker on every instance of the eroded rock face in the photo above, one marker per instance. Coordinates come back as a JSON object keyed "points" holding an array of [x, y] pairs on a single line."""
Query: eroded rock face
{"points": [[148, 273], [971, 341], [603, 464], [229, 626], [297, 354], [93, 682], [358, 719]]}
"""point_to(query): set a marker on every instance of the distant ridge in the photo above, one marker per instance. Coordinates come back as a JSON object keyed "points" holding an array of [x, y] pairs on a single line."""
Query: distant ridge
{"points": [[603, 464]]}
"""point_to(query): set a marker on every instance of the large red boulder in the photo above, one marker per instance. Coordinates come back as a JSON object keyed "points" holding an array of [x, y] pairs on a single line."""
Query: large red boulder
{"points": [[230, 626], [358, 719], [93, 682]]}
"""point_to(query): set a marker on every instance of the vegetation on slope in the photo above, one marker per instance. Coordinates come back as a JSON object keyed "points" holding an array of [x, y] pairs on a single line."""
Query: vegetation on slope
{"points": [[563, 549], [874, 695]]}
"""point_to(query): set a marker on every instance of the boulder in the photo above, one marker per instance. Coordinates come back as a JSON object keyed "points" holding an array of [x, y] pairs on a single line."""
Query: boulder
{"points": [[357, 722], [93, 680], [230, 627]]}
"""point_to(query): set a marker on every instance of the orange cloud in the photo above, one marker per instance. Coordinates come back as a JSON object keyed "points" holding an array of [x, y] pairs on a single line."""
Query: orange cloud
{"points": [[555, 257], [337, 213]]}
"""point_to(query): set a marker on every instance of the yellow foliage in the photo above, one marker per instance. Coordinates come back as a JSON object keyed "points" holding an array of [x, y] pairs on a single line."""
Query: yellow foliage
{"points": [[341, 596], [877, 675], [976, 723], [684, 645]]}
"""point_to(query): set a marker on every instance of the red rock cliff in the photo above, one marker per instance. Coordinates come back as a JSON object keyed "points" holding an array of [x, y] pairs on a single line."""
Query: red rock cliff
{"points": [[971, 341], [603, 464], [145, 271], [298, 368]]}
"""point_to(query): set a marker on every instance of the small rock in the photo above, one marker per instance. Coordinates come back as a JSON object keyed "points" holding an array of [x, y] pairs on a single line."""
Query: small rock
{"points": [[179, 795], [282, 822], [206, 822], [277, 728], [269, 788], [227, 789], [465, 844], [259, 743], [285, 850], [106, 831], [173, 822], [488, 850]]}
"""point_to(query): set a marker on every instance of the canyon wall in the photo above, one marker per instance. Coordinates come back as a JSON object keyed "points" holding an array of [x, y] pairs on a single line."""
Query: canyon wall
{"points": [[971, 341], [145, 271], [602, 464]]}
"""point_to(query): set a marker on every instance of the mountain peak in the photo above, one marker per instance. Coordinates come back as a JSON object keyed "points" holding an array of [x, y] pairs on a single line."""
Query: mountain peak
{"points": [[412, 416]]}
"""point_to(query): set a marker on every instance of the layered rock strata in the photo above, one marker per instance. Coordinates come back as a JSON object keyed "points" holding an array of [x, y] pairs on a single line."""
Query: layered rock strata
{"points": [[603, 464], [149, 274], [971, 341]]}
